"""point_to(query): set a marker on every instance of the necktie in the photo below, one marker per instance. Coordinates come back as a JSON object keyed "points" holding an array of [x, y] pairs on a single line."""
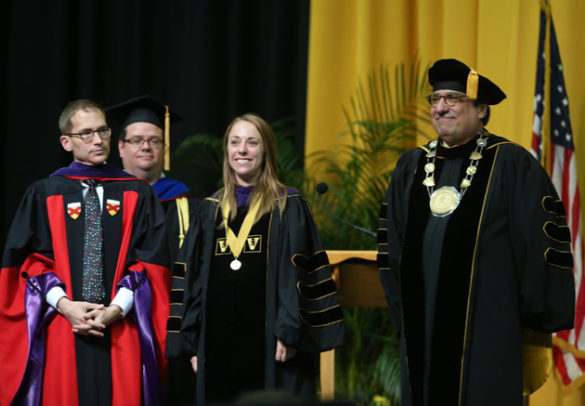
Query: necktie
{"points": [[92, 288]]}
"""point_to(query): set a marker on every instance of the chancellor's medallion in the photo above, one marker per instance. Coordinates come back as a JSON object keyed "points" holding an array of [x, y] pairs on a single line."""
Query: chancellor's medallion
{"points": [[444, 201]]}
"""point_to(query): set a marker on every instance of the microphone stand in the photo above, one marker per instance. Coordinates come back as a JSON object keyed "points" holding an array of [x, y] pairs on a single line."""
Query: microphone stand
{"points": [[321, 190]]}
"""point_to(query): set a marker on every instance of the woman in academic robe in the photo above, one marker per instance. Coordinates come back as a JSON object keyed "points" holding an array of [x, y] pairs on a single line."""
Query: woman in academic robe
{"points": [[253, 299]]}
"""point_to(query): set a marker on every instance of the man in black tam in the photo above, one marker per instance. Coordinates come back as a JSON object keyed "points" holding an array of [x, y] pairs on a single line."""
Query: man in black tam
{"points": [[144, 147], [474, 255]]}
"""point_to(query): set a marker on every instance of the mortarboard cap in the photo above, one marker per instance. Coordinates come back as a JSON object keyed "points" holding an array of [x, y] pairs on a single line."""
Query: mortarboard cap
{"points": [[146, 109], [452, 74]]}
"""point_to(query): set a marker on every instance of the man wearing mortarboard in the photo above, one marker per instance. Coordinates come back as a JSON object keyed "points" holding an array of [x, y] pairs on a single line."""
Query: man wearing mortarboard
{"points": [[144, 147], [474, 255]]}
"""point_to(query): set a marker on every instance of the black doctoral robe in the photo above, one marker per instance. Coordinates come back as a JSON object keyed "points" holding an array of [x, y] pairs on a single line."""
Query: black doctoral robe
{"points": [[464, 289], [301, 299], [179, 207]]}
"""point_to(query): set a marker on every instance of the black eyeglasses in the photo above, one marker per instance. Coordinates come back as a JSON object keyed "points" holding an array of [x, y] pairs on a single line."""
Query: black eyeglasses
{"points": [[451, 99], [87, 135], [136, 142]]}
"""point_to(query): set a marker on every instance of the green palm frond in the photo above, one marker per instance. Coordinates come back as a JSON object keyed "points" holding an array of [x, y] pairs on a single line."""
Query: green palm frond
{"points": [[383, 122]]}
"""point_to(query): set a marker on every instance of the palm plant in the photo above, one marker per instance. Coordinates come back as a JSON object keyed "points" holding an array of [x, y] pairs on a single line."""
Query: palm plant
{"points": [[383, 122]]}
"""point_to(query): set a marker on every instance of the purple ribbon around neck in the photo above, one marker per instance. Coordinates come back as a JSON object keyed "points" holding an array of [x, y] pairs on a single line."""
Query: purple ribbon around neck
{"points": [[243, 194], [39, 314]]}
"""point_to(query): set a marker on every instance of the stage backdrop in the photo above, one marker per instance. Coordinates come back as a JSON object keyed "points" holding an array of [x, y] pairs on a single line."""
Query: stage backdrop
{"points": [[208, 59]]}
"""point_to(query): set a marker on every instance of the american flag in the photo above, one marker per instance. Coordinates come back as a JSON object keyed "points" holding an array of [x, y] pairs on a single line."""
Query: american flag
{"points": [[552, 144]]}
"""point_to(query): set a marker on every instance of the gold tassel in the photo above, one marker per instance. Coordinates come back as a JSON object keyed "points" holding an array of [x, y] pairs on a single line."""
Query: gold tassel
{"points": [[472, 84], [183, 215], [167, 140]]}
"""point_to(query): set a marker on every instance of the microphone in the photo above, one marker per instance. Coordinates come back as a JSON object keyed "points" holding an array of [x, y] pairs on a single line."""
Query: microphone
{"points": [[321, 190]]}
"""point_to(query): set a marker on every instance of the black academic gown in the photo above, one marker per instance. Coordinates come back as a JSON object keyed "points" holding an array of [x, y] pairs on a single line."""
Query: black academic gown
{"points": [[179, 207], [464, 289], [236, 314], [301, 299]]}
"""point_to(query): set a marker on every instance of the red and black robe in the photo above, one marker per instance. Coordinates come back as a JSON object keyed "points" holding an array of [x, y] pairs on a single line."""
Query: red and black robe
{"points": [[46, 238]]}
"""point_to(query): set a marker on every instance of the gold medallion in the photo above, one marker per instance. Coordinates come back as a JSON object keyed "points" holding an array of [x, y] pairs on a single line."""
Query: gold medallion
{"points": [[444, 201], [237, 242], [235, 265]]}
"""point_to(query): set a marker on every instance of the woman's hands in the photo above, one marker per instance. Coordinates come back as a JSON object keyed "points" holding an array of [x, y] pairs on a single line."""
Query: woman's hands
{"points": [[194, 363], [283, 353]]}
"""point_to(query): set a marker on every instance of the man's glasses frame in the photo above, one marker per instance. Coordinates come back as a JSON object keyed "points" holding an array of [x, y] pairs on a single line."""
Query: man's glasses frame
{"points": [[450, 99], [136, 142], [87, 135]]}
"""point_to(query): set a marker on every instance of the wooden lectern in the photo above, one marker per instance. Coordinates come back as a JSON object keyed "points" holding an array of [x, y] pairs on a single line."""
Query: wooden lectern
{"points": [[358, 283]]}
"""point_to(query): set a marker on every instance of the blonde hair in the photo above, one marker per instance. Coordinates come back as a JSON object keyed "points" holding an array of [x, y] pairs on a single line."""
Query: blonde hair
{"points": [[267, 186]]}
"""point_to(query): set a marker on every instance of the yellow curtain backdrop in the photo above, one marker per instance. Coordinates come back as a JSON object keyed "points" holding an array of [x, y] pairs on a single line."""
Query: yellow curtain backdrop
{"points": [[498, 38]]}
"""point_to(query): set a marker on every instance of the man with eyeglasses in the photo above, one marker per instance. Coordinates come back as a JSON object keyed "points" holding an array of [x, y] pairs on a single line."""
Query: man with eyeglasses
{"points": [[84, 285], [144, 147], [474, 255]]}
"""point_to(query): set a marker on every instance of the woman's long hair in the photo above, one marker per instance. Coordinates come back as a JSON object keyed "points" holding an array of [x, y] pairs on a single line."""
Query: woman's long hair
{"points": [[267, 185]]}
